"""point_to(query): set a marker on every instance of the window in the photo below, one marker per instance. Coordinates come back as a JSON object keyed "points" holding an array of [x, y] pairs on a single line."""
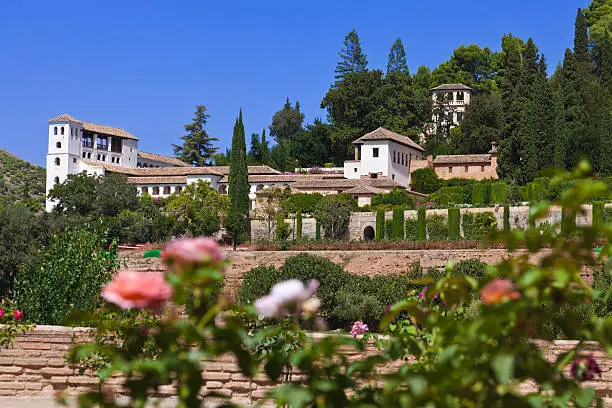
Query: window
{"points": [[116, 145], [62, 130], [450, 169], [112, 159], [57, 161], [84, 155], [355, 169], [55, 130], [103, 157], [102, 143], [167, 190], [482, 169], [58, 145], [459, 116], [393, 177], [98, 157], [466, 169], [74, 159], [155, 190], [375, 152], [118, 160], [144, 190], [178, 189], [87, 141], [460, 96], [56, 180], [89, 155], [394, 156]]}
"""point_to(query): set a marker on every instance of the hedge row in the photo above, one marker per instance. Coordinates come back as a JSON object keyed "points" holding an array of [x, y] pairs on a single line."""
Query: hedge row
{"points": [[344, 297], [479, 194]]}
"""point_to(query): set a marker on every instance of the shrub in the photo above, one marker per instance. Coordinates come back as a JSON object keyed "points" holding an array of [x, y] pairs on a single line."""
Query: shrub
{"points": [[410, 229], [380, 224], [473, 268], [389, 229], [484, 224], [480, 194], [454, 220], [66, 276], [421, 229], [352, 306], [317, 230], [306, 203], [499, 193], [437, 229], [597, 214], [298, 225], [397, 197], [506, 218], [257, 283], [398, 223], [334, 212], [448, 196], [425, 181], [568, 222], [283, 231], [467, 226]]}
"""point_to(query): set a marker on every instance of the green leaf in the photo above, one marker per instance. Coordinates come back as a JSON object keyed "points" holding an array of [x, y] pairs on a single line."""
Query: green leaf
{"points": [[417, 385], [503, 367], [273, 368], [584, 397]]}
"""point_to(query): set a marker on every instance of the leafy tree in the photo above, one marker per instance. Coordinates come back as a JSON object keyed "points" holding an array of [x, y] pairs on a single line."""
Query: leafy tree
{"points": [[287, 122], [425, 181], [260, 151], [605, 141], [271, 207], [352, 57], [312, 146], [397, 59], [200, 207], [481, 125], [197, 147], [280, 156], [76, 195], [114, 194], [469, 65], [222, 159], [599, 17], [238, 185], [396, 197], [334, 213], [422, 79]]}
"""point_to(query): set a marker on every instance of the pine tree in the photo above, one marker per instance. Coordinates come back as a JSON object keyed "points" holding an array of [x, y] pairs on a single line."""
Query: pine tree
{"points": [[264, 148], [352, 58], [397, 59], [605, 65], [197, 147], [605, 141], [561, 145], [581, 38], [238, 185], [575, 118]]}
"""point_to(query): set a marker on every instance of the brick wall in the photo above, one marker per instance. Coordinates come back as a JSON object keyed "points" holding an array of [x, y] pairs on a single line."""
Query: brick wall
{"points": [[36, 366]]}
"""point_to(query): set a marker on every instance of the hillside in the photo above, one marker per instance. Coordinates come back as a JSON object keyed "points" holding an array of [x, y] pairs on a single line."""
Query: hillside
{"points": [[21, 181]]}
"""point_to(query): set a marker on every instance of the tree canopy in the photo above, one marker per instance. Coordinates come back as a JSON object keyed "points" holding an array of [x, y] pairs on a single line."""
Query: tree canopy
{"points": [[197, 147]]}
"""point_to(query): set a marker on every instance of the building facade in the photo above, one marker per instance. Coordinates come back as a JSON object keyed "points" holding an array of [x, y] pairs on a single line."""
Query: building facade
{"points": [[449, 104]]}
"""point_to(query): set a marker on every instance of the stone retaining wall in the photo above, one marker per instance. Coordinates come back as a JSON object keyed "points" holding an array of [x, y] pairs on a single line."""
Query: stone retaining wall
{"points": [[36, 366]]}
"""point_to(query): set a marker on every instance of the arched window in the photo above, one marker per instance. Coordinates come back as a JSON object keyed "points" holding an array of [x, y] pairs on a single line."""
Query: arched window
{"points": [[460, 96], [56, 180], [155, 190], [144, 190], [178, 189], [167, 190], [58, 145], [223, 189], [55, 130], [57, 161], [62, 130]]}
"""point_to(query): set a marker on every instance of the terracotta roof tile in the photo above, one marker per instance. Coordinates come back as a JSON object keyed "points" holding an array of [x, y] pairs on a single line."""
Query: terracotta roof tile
{"points": [[364, 190], [452, 87], [163, 159], [94, 127], [385, 134], [462, 158], [158, 180]]}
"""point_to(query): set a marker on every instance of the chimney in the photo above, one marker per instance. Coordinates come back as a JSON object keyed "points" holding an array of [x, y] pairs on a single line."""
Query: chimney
{"points": [[430, 161]]}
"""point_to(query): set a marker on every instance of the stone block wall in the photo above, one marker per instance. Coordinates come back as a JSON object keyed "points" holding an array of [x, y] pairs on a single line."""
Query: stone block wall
{"points": [[36, 366]]}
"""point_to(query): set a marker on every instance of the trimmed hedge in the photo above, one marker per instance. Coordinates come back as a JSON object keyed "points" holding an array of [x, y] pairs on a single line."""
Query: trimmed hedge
{"points": [[506, 218], [411, 229], [421, 224], [317, 230], [598, 213], [499, 193], [568, 222], [480, 194], [380, 224], [298, 225], [437, 229], [454, 221], [478, 225], [397, 224]]}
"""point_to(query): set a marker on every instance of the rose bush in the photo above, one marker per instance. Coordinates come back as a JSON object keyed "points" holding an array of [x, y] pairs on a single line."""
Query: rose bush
{"points": [[457, 359]]}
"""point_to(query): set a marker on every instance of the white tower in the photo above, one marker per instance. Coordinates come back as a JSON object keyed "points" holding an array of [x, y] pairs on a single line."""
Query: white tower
{"points": [[63, 153]]}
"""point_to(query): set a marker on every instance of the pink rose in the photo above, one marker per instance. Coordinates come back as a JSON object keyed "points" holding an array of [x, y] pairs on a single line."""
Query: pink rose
{"points": [[1, 312], [359, 328], [286, 295], [184, 254], [132, 289], [499, 291], [17, 314]]}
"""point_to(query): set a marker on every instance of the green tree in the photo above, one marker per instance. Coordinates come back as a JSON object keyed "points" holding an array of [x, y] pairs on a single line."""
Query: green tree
{"points": [[200, 207], [599, 17], [352, 57], [425, 181], [312, 146], [484, 118], [561, 145], [197, 147], [605, 141], [397, 59], [334, 213], [422, 79], [469, 65], [287, 122], [238, 185], [114, 194], [222, 159], [76, 195], [260, 151]]}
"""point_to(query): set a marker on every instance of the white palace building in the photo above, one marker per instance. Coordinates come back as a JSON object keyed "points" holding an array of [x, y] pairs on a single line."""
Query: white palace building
{"points": [[383, 161]]}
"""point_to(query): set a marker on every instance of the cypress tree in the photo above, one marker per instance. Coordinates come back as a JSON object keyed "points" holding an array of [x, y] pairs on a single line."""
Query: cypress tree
{"points": [[605, 141], [380, 224], [317, 230], [597, 214], [581, 37], [397, 58], [561, 142], [421, 224], [506, 218], [238, 185], [398, 223], [298, 225], [454, 231], [575, 117], [264, 151], [352, 57]]}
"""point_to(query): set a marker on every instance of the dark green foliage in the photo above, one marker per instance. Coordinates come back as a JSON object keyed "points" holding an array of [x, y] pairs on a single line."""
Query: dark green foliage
{"points": [[21, 182], [425, 181], [317, 230], [287, 122], [448, 196], [282, 230], [197, 147], [389, 229], [598, 214], [568, 222], [397, 58], [473, 268], [532, 220], [478, 225], [437, 228], [499, 193], [238, 185], [257, 283], [353, 305], [421, 226], [506, 218], [454, 220], [398, 224], [334, 212], [380, 224], [67, 275], [298, 225], [306, 203], [312, 146], [471, 65], [397, 197], [479, 194], [481, 125], [352, 57], [411, 230], [76, 195]]}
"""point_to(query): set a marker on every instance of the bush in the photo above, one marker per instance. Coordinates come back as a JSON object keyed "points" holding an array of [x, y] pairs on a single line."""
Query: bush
{"points": [[398, 223], [317, 230], [410, 233], [480, 194], [448, 196], [306, 203], [598, 214], [389, 229], [397, 197], [454, 221], [499, 193], [568, 222], [257, 283], [380, 224], [473, 268], [283, 231], [437, 229], [298, 225], [352, 306], [468, 226], [421, 229], [425, 181], [66, 276], [484, 224]]}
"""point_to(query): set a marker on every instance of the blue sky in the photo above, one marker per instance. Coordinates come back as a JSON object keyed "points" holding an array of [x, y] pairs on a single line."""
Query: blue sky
{"points": [[144, 65]]}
